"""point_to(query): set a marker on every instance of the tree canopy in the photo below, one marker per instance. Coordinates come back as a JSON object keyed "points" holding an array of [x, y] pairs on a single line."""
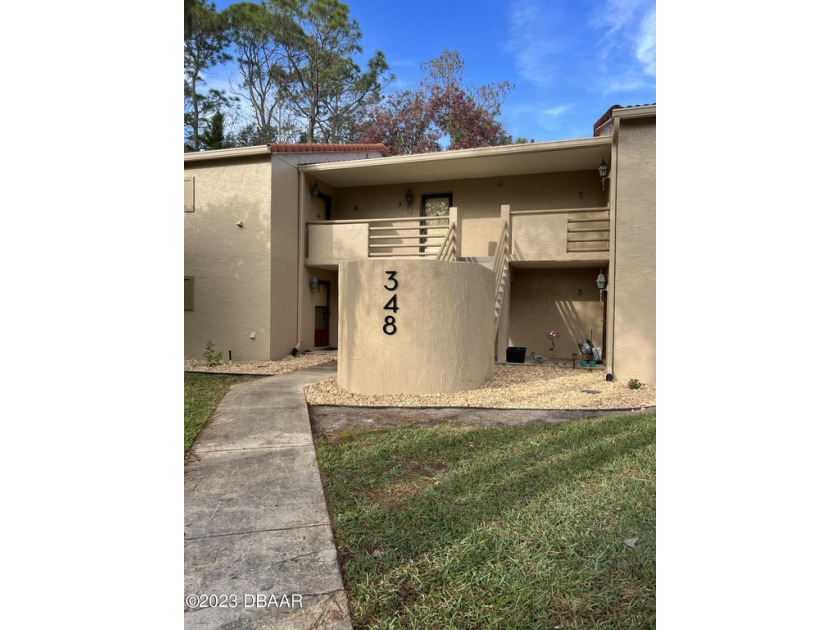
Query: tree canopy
{"points": [[441, 108], [205, 40], [300, 79]]}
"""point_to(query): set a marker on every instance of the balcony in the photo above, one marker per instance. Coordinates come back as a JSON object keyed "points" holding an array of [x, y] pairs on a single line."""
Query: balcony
{"points": [[561, 235], [332, 242]]}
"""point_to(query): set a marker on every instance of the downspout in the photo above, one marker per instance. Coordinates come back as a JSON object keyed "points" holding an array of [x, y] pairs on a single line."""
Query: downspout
{"points": [[300, 246], [611, 272]]}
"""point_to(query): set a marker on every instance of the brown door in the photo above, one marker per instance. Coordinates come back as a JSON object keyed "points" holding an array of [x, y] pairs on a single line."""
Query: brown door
{"points": [[322, 315]]}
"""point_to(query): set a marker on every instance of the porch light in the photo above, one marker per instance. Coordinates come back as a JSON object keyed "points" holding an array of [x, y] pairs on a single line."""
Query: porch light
{"points": [[602, 284], [315, 192], [602, 171], [314, 284], [409, 197]]}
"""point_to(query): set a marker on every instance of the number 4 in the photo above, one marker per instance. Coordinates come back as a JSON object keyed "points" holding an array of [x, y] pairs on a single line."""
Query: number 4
{"points": [[392, 304]]}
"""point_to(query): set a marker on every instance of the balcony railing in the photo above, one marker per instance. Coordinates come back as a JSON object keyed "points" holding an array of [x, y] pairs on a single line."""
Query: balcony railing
{"points": [[560, 234], [331, 242]]}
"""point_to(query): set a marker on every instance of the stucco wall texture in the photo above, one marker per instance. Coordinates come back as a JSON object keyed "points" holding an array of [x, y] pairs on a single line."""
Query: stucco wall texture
{"points": [[634, 284], [562, 299], [231, 264], [479, 201], [442, 334]]}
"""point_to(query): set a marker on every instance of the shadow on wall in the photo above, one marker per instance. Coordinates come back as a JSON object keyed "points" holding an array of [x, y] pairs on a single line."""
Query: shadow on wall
{"points": [[561, 299]]}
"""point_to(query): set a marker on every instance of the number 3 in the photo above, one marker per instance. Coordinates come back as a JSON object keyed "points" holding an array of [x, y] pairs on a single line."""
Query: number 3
{"points": [[391, 275]]}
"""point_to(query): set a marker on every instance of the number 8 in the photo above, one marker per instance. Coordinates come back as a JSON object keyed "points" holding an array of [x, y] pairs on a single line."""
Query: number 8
{"points": [[390, 322]]}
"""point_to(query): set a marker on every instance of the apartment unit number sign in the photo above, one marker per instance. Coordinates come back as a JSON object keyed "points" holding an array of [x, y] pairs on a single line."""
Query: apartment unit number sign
{"points": [[390, 326]]}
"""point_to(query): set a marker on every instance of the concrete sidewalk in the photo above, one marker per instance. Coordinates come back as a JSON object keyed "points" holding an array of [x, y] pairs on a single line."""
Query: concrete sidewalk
{"points": [[258, 546]]}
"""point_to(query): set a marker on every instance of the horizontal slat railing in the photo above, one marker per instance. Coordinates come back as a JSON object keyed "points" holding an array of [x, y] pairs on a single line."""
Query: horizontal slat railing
{"points": [[588, 229], [391, 237]]}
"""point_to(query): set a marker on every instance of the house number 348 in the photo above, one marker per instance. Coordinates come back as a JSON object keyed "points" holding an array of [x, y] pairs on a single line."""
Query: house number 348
{"points": [[390, 326]]}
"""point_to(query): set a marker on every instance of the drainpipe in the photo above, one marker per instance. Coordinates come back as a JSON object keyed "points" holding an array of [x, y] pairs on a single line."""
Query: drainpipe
{"points": [[611, 272], [300, 246]]}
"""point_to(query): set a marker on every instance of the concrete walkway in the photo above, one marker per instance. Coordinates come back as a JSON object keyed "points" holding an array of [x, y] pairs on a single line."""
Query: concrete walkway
{"points": [[258, 546]]}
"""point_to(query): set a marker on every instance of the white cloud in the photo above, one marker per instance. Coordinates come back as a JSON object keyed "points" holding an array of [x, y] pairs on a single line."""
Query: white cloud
{"points": [[629, 83], [557, 111], [646, 43], [627, 46], [618, 15], [535, 43]]}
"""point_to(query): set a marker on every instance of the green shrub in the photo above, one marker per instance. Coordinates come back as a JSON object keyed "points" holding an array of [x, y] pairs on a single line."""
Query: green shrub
{"points": [[212, 356], [634, 384]]}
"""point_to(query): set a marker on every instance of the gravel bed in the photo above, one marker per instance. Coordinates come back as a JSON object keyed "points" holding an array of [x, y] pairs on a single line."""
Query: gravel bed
{"points": [[512, 387], [267, 368]]}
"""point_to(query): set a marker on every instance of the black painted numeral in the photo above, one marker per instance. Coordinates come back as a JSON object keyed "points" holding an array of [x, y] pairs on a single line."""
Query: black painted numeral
{"points": [[392, 304], [391, 275], [390, 326]]}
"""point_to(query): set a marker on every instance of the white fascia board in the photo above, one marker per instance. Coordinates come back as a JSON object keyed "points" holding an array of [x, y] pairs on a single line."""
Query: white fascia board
{"points": [[635, 112], [220, 154]]}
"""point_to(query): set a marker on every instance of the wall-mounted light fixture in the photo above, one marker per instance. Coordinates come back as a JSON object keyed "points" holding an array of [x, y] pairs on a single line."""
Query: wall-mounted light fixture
{"points": [[409, 198], [314, 192], [602, 284], [602, 171], [314, 284]]}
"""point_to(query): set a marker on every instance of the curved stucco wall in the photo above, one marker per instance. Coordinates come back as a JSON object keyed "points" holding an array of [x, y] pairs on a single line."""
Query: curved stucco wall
{"points": [[442, 333]]}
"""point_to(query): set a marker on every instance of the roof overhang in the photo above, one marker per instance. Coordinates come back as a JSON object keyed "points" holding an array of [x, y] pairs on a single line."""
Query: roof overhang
{"points": [[641, 111], [514, 159], [224, 154]]}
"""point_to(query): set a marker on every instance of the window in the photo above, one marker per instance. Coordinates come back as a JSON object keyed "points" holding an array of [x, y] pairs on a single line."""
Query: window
{"points": [[189, 288]]}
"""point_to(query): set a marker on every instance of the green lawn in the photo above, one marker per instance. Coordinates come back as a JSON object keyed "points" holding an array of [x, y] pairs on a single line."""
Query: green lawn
{"points": [[202, 392], [516, 527]]}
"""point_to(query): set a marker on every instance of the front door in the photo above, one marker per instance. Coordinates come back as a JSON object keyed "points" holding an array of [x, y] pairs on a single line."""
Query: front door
{"points": [[322, 315], [435, 206]]}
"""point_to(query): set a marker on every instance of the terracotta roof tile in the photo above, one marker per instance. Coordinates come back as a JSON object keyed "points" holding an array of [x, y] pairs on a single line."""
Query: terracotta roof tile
{"points": [[608, 114]]}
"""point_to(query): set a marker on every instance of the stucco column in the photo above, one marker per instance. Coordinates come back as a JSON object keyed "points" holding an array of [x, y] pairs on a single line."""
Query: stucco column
{"points": [[412, 326]]}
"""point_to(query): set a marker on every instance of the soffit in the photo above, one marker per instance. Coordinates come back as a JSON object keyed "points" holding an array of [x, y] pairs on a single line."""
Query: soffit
{"points": [[518, 159]]}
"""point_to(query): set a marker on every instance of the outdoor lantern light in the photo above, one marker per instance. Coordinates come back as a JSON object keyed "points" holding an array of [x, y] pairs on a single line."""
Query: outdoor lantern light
{"points": [[602, 171], [409, 197], [313, 283], [602, 284], [315, 192]]}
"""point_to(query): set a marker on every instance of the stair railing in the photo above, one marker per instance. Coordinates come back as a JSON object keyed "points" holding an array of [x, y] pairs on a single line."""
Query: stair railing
{"points": [[448, 250]]}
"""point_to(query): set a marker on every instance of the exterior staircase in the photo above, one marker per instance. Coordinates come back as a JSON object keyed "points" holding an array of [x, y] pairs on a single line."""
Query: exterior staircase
{"points": [[489, 262]]}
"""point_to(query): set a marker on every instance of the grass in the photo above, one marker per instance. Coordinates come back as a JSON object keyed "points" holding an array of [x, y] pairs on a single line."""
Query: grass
{"points": [[202, 392], [515, 527]]}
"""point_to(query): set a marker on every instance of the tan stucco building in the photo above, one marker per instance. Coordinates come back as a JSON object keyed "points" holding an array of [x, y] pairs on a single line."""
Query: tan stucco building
{"points": [[424, 269]]}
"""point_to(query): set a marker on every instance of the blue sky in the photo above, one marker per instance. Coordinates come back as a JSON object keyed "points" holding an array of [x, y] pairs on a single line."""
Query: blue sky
{"points": [[569, 60]]}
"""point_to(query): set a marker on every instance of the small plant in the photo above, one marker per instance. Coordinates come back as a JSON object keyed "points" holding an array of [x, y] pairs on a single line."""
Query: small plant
{"points": [[634, 384], [212, 356]]}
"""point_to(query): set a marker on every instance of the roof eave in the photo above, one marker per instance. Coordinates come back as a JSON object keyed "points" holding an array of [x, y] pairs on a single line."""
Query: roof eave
{"points": [[461, 154], [222, 154], [460, 164], [642, 111]]}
